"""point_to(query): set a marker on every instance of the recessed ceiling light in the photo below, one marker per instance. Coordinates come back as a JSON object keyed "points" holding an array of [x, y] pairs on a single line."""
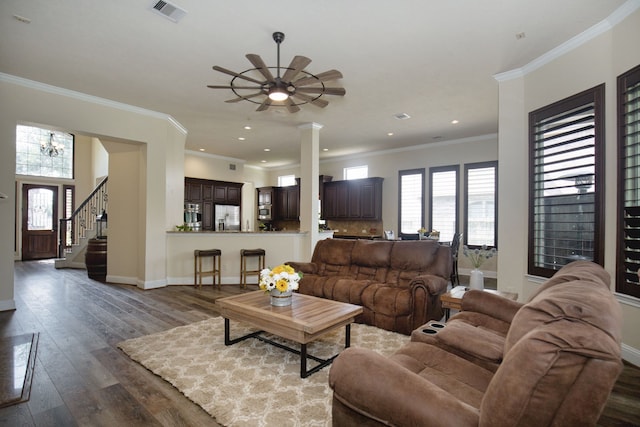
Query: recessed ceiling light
{"points": [[267, 149], [247, 127], [390, 134], [325, 149], [202, 149], [242, 138], [263, 161], [454, 122]]}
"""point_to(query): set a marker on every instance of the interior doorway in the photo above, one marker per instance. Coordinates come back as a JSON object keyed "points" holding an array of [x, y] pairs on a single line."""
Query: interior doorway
{"points": [[39, 221]]}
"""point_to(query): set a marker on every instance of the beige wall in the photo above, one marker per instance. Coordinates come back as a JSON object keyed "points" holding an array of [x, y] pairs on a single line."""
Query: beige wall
{"points": [[599, 60], [162, 139]]}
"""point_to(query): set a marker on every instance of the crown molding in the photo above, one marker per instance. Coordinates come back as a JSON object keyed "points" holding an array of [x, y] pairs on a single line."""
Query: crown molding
{"points": [[43, 87], [617, 16], [215, 156]]}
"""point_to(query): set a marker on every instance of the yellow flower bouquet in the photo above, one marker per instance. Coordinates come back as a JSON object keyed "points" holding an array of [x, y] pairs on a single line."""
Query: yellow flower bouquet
{"points": [[283, 278]]}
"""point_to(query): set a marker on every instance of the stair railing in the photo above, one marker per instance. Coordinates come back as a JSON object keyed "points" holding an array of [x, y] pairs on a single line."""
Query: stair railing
{"points": [[75, 227]]}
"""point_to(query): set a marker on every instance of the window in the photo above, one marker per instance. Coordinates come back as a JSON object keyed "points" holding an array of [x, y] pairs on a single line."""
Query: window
{"points": [[443, 209], [480, 181], [286, 180], [629, 183], [356, 172], [565, 193], [44, 152], [411, 215]]}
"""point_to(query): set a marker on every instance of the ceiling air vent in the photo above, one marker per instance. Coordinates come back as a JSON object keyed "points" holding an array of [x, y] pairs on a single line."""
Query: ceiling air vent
{"points": [[402, 116], [170, 11]]}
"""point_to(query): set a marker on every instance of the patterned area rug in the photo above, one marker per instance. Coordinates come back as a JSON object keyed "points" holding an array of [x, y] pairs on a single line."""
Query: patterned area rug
{"points": [[250, 383]]}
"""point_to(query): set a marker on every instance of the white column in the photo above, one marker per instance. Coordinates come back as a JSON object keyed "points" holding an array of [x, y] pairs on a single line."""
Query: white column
{"points": [[309, 185]]}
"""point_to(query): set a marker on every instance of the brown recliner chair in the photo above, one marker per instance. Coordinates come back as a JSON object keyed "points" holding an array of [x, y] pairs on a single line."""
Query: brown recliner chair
{"points": [[560, 360]]}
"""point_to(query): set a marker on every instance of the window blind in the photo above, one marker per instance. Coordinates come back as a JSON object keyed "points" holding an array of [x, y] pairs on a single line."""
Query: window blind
{"points": [[444, 201], [411, 201], [480, 204], [564, 188], [629, 179]]}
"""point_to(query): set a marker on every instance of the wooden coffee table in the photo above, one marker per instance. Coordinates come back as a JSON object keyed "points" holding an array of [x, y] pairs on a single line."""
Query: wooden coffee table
{"points": [[306, 319], [453, 298]]}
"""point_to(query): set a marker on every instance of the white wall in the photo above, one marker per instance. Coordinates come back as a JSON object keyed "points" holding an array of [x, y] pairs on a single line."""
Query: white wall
{"points": [[599, 60]]}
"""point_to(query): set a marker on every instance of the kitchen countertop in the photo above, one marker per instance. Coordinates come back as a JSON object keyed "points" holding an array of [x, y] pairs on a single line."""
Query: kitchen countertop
{"points": [[357, 236], [231, 232]]}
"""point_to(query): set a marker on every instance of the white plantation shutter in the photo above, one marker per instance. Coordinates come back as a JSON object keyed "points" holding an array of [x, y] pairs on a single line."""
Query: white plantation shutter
{"points": [[629, 183], [480, 183], [411, 201], [565, 157], [444, 201]]}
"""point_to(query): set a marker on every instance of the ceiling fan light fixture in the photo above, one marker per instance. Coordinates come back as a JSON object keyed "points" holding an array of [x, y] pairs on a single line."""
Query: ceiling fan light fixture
{"points": [[278, 94]]}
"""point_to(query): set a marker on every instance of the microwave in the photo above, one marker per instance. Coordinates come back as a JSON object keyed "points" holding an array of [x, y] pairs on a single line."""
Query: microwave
{"points": [[264, 212]]}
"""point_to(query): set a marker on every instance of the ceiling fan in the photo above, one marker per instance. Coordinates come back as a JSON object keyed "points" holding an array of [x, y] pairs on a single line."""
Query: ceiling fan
{"points": [[295, 87]]}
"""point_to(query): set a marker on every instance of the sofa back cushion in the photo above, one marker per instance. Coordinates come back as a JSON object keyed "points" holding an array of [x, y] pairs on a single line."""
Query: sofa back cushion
{"points": [[562, 356], [333, 256], [370, 259], [412, 258]]}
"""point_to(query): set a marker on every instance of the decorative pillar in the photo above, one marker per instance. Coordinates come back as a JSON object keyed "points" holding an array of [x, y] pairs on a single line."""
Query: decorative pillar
{"points": [[309, 185]]}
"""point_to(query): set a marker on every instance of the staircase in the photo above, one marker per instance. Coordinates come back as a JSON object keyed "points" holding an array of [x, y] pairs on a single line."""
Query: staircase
{"points": [[74, 232]]}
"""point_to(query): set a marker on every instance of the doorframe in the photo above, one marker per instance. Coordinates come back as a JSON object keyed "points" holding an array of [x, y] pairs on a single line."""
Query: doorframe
{"points": [[21, 181], [55, 188]]}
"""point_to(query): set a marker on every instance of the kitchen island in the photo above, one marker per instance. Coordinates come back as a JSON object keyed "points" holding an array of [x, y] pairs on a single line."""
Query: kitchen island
{"points": [[280, 246]]}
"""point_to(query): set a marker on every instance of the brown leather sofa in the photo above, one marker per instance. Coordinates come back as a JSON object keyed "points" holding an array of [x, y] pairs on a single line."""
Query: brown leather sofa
{"points": [[398, 283], [559, 360]]}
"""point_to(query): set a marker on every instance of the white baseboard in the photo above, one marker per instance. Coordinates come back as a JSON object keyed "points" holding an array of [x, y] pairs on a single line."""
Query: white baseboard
{"points": [[7, 305], [631, 355], [225, 280], [151, 284], [124, 280]]}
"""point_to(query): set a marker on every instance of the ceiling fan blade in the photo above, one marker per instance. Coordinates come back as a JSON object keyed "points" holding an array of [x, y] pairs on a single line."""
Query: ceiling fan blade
{"points": [[323, 77], [326, 91], [291, 106], [234, 74], [298, 63], [260, 65], [241, 98], [265, 104], [319, 102], [233, 87]]}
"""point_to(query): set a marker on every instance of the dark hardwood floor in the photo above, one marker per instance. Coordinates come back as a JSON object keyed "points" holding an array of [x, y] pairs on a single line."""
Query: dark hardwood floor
{"points": [[82, 378]]}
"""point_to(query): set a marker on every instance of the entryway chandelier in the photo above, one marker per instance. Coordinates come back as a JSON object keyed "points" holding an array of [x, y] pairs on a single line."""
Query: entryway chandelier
{"points": [[50, 147]]}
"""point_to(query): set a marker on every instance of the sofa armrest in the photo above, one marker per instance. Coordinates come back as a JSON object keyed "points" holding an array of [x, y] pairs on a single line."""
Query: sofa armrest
{"points": [[303, 267], [490, 304], [435, 285], [394, 394], [476, 342]]}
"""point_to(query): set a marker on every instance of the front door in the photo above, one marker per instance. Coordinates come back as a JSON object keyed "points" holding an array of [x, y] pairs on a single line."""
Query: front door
{"points": [[39, 221]]}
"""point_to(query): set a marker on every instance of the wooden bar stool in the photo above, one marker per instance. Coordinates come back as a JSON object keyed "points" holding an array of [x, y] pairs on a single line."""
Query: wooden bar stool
{"points": [[199, 273], [244, 254]]}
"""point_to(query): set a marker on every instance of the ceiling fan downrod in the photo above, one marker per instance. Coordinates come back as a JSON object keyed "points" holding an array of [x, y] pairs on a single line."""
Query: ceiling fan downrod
{"points": [[278, 37]]}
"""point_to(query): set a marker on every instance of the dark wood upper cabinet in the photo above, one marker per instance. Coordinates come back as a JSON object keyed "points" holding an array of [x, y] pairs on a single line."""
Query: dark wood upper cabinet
{"points": [[287, 206], [265, 196], [208, 193], [358, 199]]}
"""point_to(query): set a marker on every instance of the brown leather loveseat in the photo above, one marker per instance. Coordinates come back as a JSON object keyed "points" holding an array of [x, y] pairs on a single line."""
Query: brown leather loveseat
{"points": [[398, 283], [559, 361]]}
